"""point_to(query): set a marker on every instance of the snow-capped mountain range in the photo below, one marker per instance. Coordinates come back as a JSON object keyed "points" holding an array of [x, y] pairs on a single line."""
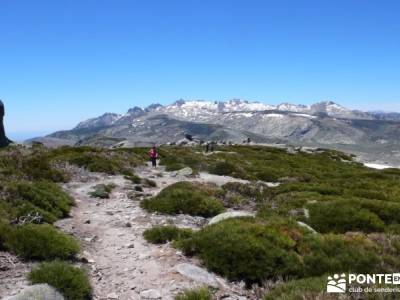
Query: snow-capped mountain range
{"points": [[205, 111], [324, 124]]}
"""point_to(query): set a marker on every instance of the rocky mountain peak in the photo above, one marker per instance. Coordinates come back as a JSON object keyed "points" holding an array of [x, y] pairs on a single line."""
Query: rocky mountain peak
{"points": [[135, 110]]}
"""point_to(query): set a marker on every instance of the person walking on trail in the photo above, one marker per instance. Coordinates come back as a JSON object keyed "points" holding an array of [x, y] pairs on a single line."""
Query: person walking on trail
{"points": [[153, 156]]}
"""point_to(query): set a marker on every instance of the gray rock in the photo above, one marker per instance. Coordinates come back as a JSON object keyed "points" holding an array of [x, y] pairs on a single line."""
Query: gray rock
{"points": [[38, 292], [150, 294], [229, 215], [197, 274], [185, 172], [4, 141], [112, 296]]}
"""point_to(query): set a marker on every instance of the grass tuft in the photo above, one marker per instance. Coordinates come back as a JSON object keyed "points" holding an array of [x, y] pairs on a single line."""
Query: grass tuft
{"points": [[183, 198], [164, 234], [71, 281], [40, 242]]}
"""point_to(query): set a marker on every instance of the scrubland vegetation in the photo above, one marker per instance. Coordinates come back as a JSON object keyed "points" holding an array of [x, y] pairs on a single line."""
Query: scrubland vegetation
{"points": [[71, 281], [195, 294], [184, 198], [31, 200], [102, 191], [354, 210]]}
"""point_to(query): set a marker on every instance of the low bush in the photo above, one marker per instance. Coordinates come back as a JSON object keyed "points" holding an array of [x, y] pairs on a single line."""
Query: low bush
{"points": [[253, 250], [163, 234], [71, 281], [48, 197], [40, 242], [95, 162], [195, 294], [244, 249], [38, 167], [176, 158], [107, 161], [339, 254], [225, 168], [21, 210], [341, 216], [183, 198], [309, 288], [133, 178], [102, 191]]}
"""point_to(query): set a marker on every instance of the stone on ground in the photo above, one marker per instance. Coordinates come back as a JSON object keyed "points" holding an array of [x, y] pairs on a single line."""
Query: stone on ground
{"points": [[150, 295], [183, 172], [229, 215], [38, 292]]}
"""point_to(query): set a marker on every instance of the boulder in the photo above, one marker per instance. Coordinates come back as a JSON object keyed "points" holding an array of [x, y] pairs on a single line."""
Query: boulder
{"points": [[185, 172], [38, 292], [229, 215], [197, 274]]}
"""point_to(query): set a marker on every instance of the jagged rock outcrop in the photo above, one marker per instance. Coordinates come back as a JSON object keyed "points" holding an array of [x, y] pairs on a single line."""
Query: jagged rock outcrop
{"points": [[4, 141]]}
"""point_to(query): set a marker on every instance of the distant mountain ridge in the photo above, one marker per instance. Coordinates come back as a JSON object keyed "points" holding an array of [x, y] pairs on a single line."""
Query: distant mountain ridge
{"points": [[323, 124], [200, 110]]}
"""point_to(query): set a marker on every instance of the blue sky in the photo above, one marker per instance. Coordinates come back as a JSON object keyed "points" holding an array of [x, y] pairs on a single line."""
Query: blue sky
{"points": [[64, 61]]}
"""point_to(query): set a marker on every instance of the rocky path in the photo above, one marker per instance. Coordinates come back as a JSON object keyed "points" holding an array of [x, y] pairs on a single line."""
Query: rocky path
{"points": [[13, 274], [122, 264]]}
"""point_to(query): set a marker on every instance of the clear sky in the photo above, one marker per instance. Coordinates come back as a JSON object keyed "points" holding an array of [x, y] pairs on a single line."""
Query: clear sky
{"points": [[62, 61]]}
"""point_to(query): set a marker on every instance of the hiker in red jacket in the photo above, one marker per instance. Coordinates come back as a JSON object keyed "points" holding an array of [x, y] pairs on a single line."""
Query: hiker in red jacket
{"points": [[153, 156]]}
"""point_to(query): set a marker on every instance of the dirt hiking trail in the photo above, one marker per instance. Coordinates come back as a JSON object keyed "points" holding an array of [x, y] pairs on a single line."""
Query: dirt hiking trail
{"points": [[122, 264]]}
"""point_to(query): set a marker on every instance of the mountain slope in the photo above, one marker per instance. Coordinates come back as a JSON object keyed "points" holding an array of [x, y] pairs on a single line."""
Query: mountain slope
{"points": [[324, 124]]}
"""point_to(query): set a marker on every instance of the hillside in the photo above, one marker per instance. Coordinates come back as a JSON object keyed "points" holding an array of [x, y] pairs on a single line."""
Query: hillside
{"points": [[324, 124], [137, 232]]}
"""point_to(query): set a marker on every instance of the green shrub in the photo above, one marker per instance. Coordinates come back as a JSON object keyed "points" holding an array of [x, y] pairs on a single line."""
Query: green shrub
{"points": [[176, 158], [39, 168], [225, 168], [44, 195], [185, 198], [41, 242], [308, 288], [268, 175], [102, 191], [163, 234], [253, 250], [341, 216], [94, 162], [244, 249], [134, 178], [22, 209], [112, 162], [195, 294], [332, 254], [72, 282]]}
